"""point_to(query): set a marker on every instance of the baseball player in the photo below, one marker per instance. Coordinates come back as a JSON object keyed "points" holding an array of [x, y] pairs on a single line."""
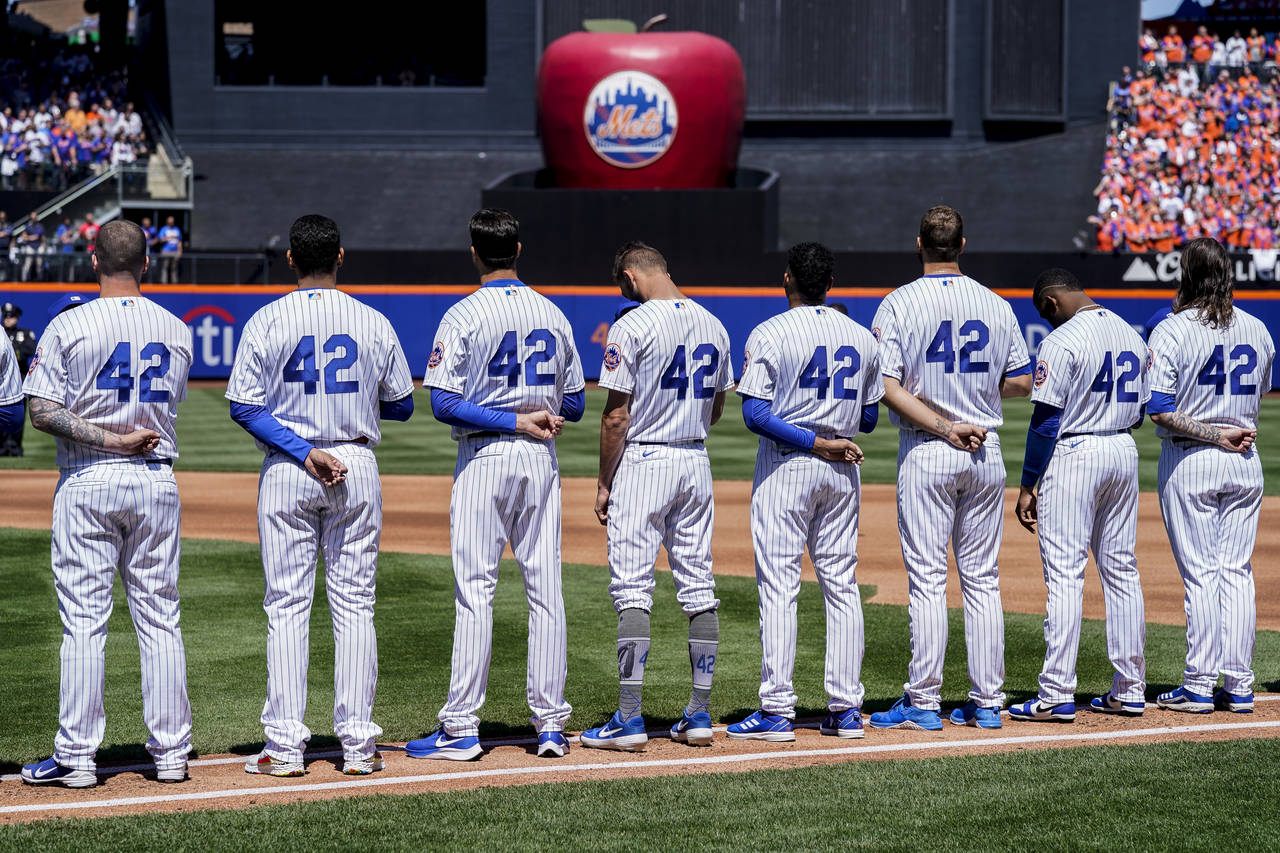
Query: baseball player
{"points": [[503, 362], [811, 380], [950, 349], [1211, 365], [314, 372], [1091, 386], [24, 346], [12, 410], [666, 367], [106, 381]]}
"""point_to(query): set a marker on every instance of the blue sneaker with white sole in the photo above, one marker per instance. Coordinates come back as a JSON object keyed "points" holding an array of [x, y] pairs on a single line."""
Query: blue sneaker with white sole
{"points": [[1108, 704], [763, 726], [847, 723], [1236, 703], [50, 772], [1182, 699], [694, 730], [552, 744], [1036, 711], [904, 715], [626, 735], [441, 744], [969, 714]]}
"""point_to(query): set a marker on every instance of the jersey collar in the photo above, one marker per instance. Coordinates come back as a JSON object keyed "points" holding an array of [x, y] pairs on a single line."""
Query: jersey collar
{"points": [[504, 282]]}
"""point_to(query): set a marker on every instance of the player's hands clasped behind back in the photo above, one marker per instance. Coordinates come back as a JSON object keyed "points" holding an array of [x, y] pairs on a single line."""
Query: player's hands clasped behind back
{"points": [[837, 450], [325, 467], [1026, 509], [1236, 439], [966, 436], [138, 442], [540, 425]]}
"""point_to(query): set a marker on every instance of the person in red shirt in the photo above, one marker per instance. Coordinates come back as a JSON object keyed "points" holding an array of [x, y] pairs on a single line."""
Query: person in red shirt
{"points": [[1175, 50], [1202, 52]]}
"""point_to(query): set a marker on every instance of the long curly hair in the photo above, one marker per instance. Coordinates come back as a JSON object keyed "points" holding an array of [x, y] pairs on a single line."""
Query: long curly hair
{"points": [[1207, 283]]}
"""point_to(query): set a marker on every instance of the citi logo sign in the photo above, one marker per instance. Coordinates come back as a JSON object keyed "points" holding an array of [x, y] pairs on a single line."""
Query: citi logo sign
{"points": [[630, 119], [215, 335]]}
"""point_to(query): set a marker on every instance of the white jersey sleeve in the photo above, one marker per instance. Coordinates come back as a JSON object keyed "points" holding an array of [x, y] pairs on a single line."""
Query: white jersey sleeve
{"points": [[760, 366], [618, 370], [1056, 371], [10, 382], [447, 364], [248, 373], [396, 382]]}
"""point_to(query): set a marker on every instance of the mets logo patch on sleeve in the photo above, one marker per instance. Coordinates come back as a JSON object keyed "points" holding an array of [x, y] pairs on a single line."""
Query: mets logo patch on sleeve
{"points": [[437, 356], [1151, 358], [35, 360], [612, 357], [1042, 373], [875, 330], [746, 359]]}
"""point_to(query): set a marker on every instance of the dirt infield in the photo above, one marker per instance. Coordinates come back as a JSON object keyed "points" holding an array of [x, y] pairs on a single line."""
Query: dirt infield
{"points": [[416, 520], [219, 782]]}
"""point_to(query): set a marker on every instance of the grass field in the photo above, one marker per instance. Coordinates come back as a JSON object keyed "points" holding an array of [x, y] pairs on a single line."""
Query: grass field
{"points": [[1184, 796], [209, 441]]}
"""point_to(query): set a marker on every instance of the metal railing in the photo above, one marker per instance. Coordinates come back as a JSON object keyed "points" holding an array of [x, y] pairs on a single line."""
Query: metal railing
{"points": [[158, 184], [54, 264]]}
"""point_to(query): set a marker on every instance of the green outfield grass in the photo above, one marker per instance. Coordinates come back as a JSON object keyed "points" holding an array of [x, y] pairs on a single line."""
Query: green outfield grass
{"points": [[209, 441], [1184, 796], [225, 632]]}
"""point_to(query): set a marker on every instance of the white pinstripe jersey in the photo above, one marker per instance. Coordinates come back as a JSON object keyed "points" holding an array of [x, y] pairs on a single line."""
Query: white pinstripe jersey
{"points": [[949, 340], [672, 357], [10, 380], [505, 347], [118, 362], [320, 361], [1095, 368], [817, 366], [1217, 376]]}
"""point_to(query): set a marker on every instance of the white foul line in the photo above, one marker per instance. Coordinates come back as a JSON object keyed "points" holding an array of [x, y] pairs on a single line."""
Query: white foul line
{"points": [[631, 765]]}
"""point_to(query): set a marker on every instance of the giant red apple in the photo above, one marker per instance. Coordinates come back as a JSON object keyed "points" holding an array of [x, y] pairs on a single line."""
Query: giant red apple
{"points": [[650, 110]]}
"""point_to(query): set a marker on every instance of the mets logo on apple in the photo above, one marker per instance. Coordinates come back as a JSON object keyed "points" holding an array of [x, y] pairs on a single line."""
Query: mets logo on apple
{"points": [[630, 119]]}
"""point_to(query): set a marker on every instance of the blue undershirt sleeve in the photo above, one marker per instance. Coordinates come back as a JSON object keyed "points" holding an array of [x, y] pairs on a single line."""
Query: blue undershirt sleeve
{"points": [[1042, 435], [450, 408], [396, 410], [573, 405], [11, 418], [761, 420], [260, 424], [870, 417], [1161, 404]]}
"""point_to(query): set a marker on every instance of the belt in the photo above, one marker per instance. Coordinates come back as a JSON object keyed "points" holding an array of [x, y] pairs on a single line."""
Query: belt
{"points": [[168, 462], [694, 441], [1067, 435]]}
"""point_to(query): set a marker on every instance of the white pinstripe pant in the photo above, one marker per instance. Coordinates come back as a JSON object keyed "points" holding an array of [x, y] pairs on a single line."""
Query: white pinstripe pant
{"points": [[1210, 500], [506, 490], [298, 516], [1089, 501], [800, 500], [947, 495], [662, 496], [119, 515]]}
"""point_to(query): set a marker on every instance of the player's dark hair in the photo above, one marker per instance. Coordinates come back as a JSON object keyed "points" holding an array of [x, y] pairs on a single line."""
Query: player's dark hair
{"points": [[811, 266], [121, 247], [1051, 278], [495, 235], [941, 234], [1207, 282], [636, 256], [314, 242]]}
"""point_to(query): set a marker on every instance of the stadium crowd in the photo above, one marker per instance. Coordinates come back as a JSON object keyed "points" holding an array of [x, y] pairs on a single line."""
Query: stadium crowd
{"points": [[62, 120], [1192, 146]]}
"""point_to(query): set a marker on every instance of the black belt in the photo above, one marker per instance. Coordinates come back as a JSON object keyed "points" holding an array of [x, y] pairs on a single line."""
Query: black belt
{"points": [[168, 462], [1067, 435], [666, 443]]}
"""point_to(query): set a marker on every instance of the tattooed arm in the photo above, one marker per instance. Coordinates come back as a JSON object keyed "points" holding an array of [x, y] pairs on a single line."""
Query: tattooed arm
{"points": [[964, 436], [1228, 438], [55, 419]]}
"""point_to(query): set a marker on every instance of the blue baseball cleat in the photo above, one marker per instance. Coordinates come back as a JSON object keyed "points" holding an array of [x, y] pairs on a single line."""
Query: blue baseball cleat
{"points": [[695, 730], [50, 772], [1236, 703], [626, 735], [1184, 700], [1036, 711], [1108, 704], [763, 726], [846, 723], [553, 744], [969, 714], [440, 744], [903, 715]]}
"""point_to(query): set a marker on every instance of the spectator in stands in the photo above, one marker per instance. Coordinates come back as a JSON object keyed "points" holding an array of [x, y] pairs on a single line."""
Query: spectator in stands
{"points": [[1188, 80], [1175, 51], [64, 239], [88, 233], [1150, 48], [6, 240], [31, 249], [153, 243], [1237, 52], [1257, 50], [170, 251], [1202, 51], [1218, 60]]}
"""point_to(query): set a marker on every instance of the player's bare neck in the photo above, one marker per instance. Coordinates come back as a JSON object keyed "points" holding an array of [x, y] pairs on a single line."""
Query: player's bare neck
{"points": [[498, 275], [310, 282], [119, 285], [941, 268]]}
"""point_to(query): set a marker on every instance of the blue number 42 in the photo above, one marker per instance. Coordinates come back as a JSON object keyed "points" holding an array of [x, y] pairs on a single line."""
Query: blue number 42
{"points": [[300, 366], [506, 359], [814, 374], [941, 350], [676, 376], [117, 374], [1214, 371]]}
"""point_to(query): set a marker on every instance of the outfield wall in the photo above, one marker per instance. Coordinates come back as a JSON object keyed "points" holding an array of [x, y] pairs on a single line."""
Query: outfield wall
{"points": [[216, 315]]}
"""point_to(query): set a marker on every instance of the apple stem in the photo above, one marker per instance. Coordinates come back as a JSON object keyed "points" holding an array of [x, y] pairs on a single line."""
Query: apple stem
{"points": [[653, 22]]}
